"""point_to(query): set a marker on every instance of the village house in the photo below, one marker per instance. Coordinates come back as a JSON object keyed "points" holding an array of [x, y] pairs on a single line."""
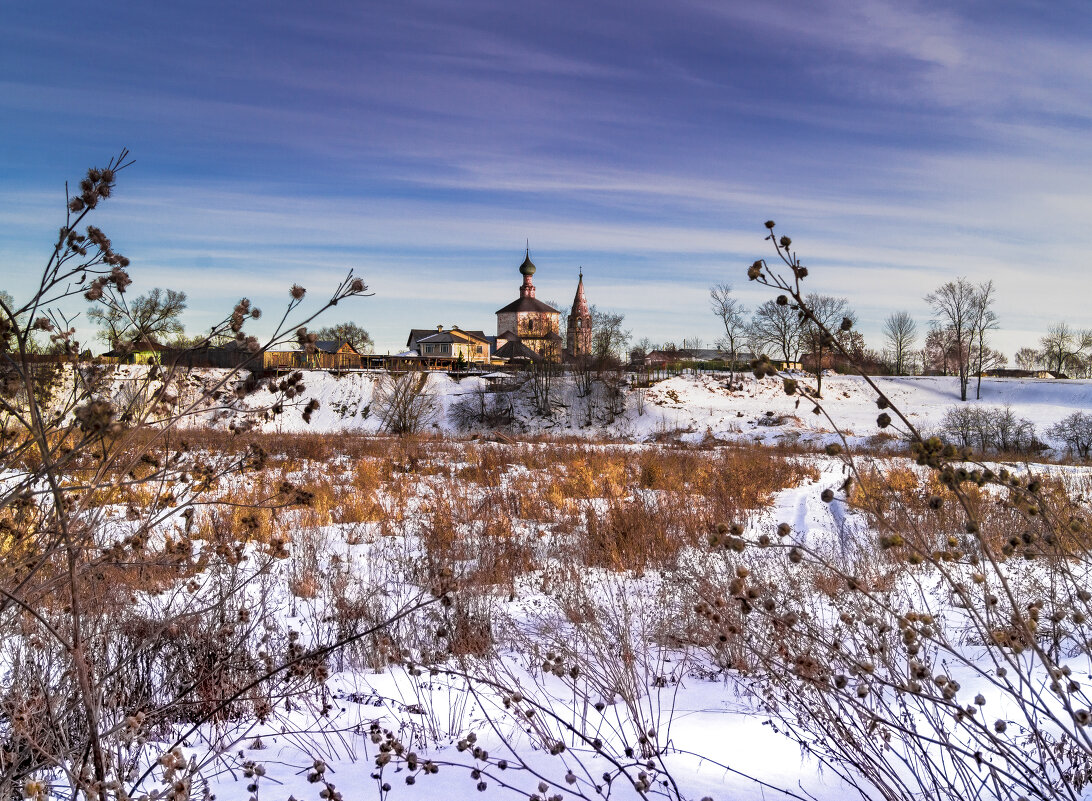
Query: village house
{"points": [[470, 346], [143, 350]]}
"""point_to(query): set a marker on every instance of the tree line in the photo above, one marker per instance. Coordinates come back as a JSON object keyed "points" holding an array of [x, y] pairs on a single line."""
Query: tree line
{"points": [[957, 341]]}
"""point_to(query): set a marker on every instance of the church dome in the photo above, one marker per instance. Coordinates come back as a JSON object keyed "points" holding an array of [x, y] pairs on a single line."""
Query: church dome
{"points": [[528, 266]]}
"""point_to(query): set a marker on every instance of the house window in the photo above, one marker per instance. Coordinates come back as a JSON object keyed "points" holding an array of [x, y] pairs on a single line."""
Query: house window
{"points": [[479, 349]]}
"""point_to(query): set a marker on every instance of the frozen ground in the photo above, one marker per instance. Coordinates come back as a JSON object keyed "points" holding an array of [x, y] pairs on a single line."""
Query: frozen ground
{"points": [[716, 741]]}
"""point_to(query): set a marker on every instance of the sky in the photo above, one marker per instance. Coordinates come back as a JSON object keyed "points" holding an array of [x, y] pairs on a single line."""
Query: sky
{"points": [[422, 144]]}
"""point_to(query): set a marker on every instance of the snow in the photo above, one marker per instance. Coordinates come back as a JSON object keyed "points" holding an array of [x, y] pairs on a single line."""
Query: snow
{"points": [[716, 740], [690, 408]]}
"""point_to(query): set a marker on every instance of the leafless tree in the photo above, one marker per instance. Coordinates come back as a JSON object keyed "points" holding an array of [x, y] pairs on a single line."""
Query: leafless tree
{"points": [[984, 320], [609, 338], [901, 333], [1062, 345], [482, 408], [1027, 358], [776, 327], [954, 308], [833, 314], [154, 316], [541, 375], [405, 402], [352, 333], [732, 315], [941, 352]]}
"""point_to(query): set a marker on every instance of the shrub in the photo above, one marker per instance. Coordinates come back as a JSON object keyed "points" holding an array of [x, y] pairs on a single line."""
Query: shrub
{"points": [[405, 402], [988, 429], [1076, 432]]}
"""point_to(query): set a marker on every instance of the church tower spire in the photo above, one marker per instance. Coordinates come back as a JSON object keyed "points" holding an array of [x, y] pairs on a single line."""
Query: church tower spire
{"points": [[579, 332]]}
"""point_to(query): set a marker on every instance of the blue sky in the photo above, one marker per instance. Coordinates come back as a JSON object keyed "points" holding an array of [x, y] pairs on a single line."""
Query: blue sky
{"points": [[899, 143]]}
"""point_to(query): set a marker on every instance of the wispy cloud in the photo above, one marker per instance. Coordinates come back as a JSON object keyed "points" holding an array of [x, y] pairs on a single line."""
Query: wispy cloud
{"points": [[899, 142]]}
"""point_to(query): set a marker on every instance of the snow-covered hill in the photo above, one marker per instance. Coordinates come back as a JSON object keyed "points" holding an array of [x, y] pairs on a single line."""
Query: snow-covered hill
{"points": [[689, 407]]}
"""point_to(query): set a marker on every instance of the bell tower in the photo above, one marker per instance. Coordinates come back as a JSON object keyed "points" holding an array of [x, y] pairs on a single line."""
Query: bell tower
{"points": [[579, 333]]}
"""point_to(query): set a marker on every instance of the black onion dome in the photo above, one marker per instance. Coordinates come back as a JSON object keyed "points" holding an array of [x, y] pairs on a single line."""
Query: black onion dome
{"points": [[528, 266]]}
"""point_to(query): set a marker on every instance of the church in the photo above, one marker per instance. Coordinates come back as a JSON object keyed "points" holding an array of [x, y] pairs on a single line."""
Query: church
{"points": [[527, 325]]}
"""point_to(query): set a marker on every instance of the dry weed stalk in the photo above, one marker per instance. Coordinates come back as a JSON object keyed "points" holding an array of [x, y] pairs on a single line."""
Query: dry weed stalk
{"points": [[962, 674], [132, 613]]}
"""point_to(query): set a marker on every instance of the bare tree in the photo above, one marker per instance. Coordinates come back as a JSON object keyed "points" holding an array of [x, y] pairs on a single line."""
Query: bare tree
{"points": [[541, 374], [776, 327], [609, 339], [833, 314], [1062, 346], [1027, 358], [405, 402], [941, 352], [954, 308], [352, 333], [562, 321], [482, 407], [983, 321], [731, 314], [901, 333], [155, 316], [642, 348]]}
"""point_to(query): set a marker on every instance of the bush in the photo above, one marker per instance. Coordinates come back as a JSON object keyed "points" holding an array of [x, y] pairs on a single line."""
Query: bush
{"points": [[986, 429], [1076, 432], [405, 402]]}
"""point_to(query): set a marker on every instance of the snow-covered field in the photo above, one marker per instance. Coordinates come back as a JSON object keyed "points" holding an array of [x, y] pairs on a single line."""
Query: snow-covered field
{"points": [[565, 667]]}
